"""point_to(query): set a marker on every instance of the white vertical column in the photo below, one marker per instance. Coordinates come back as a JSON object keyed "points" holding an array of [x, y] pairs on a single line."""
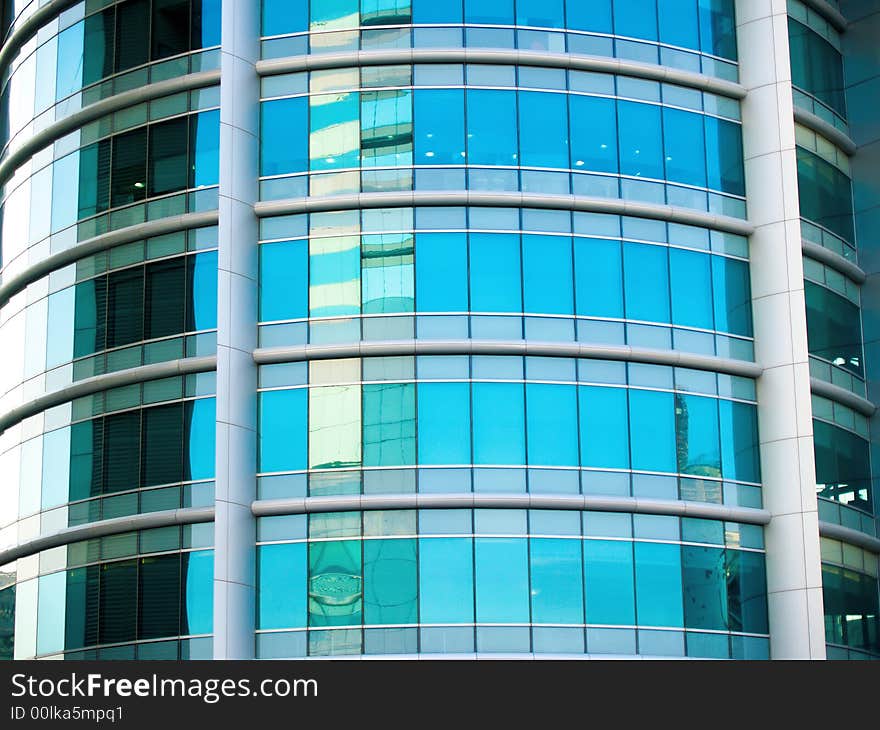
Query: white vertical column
{"points": [[234, 526], [794, 577]]}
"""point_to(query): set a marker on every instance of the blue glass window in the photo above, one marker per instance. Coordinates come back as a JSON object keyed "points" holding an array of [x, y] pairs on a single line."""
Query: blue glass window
{"points": [[389, 423], [678, 23], [705, 588], [444, 423], [70, 61], [691, 284], [646, 273], [551, 412], [641, 145], [283, 16], [541, 13], [203, 314], [724, 156], [197, 613], [593, 133], [502, 580], [608, 581], [283, 430], [599, 277], [282, 571], [696, 435], [498, 423], [733, 296], [284, 271], [547, 275], [491, 125], [718, 28], [439, 124], [430, 11], [604, 427], [205, 152], [446, 580], [496, 12], [329, 14], [334, 131], [199, 437], [441, 272], [543, 129], [636, 18], [740, 458], [685, 147], [284, 145], [390, 582], [658, 584], [335, 583], [594, 16], [495, 272], [747, 591], [556, 586], [652, 430]]}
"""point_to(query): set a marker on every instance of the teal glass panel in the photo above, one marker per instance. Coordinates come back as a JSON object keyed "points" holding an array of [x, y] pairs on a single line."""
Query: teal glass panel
{"points": [[658, 584], [495, 12], [643, 263], [200, 421], [390, 582], [652, 430], [604, 427], [283, 136], [608, 582], [636, 18], [81, 611], [50, 613], [334, 14], [552, 424], [556, 587], [491, 125], [593, 16], [430, 11], [502, 580], [387, 273], [118, 602], [732, 294], [284, 273], [446, 580], [441, 272], [197, 611], [498, 423], [69, 74], [705, 588], [543, 129], [718, 28], [834, 328], [678, 23], [641, 139], [740, 458], [282, 575], [684, 147], [691, 284], [816, 66], [385, 12], [843, 467], [747, 592], [444, 423], [389, 422], [202, 278], [495, 272], [696, 435], [335, 583], [334, 131], [547, 274], [205, 149], [283, 16], [593, 133], [334, 276], [598, 277], [439, 124], [283, 429], [386, 128], [724, 156]]}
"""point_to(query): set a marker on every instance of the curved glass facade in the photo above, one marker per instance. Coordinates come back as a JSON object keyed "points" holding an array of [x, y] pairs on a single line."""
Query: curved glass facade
{"points": [[471, 301]]}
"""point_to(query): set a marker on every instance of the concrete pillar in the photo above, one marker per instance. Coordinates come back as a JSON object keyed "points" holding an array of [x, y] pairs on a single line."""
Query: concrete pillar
{"points": [[236, 464], [794, 578]]}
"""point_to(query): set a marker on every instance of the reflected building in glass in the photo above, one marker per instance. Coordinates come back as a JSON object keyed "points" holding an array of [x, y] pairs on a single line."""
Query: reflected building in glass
{"points": [[521, 328]]}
